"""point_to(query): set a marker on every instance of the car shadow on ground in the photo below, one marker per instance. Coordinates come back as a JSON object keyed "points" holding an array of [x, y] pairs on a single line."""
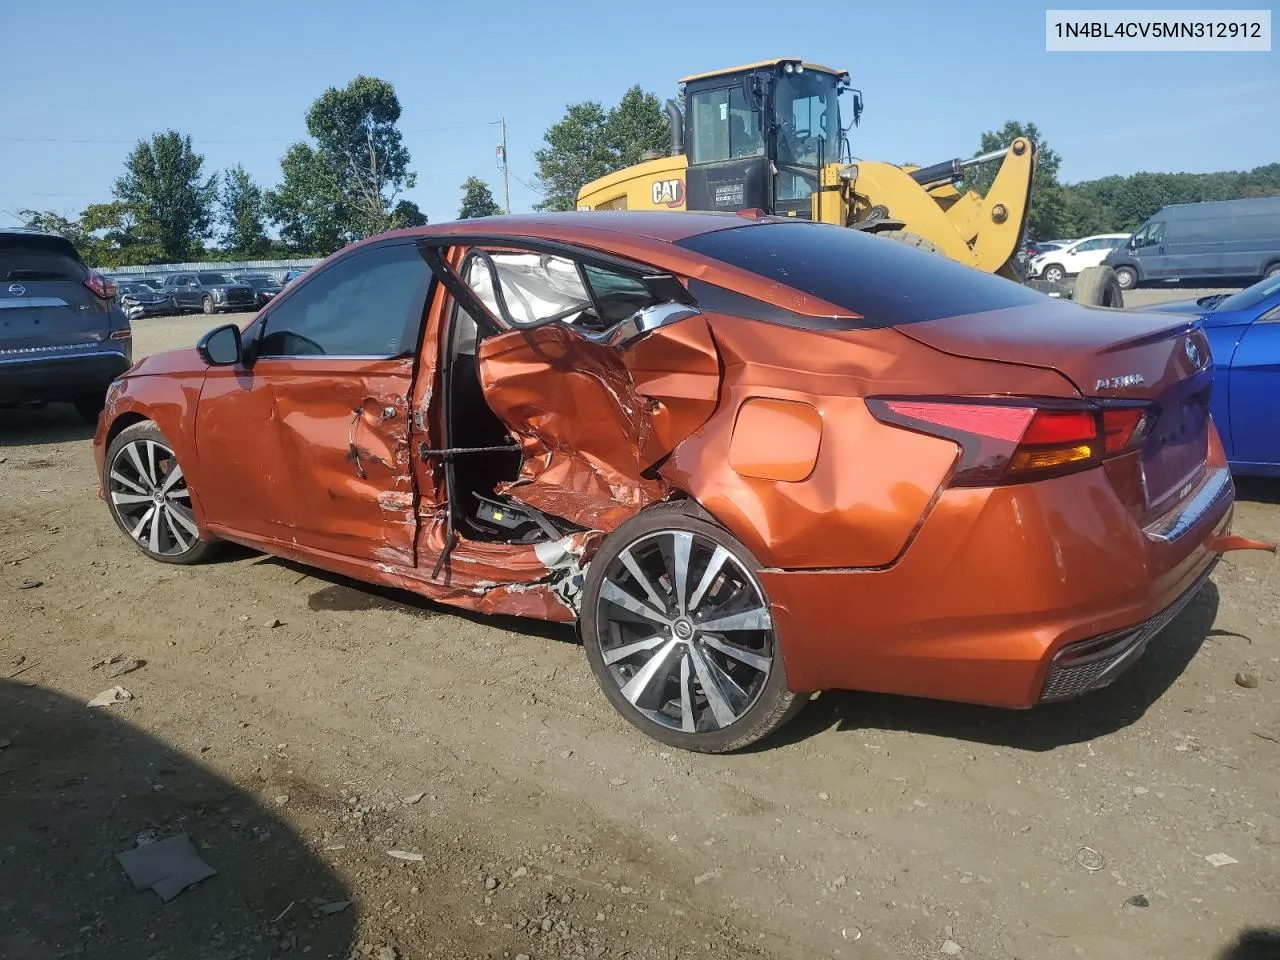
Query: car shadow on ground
{"points": [[31, 426], [338, 593], [1041, 728], [1258, 489], [1254, 944], [79, 785]]}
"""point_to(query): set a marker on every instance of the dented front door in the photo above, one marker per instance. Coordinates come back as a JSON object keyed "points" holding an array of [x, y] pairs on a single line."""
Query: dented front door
{"points": [[307, 446], [312, 453]]}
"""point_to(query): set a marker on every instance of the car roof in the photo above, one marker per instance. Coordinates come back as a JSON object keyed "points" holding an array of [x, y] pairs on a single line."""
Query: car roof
{"points": [[588, 225]]}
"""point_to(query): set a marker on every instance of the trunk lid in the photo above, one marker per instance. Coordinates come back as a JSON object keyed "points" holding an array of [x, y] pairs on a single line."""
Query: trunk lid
{"points": [[44, 303], [1108, 355]]}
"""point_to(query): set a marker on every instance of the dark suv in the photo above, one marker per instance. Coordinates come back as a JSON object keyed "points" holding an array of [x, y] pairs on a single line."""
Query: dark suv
{"points": [[209, 291], [63, 336]]}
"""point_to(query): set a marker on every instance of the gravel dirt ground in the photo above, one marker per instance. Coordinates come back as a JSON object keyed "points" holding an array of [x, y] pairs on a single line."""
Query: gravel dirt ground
{"points": [[298, 727]]}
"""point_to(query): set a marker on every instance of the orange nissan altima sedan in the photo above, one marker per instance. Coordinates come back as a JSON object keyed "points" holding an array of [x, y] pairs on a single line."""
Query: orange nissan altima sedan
{"points": [[751, 458]]}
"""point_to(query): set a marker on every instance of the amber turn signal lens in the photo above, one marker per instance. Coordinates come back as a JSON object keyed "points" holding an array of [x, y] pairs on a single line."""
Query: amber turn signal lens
{"points": [[1053, 459]]}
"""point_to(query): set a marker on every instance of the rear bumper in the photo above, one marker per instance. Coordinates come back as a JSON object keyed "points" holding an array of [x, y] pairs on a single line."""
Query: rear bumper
{"points": [[1007, 597], [38, 378]]}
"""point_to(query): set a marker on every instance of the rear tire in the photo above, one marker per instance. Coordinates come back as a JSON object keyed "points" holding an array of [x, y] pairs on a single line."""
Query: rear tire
{"points": [[1098, 287], [1127, 277], [642, 564]]}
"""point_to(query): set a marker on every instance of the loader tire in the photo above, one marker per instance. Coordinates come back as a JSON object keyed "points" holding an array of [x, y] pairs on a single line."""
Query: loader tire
{"points": [[912, 240], [1098, 287]]}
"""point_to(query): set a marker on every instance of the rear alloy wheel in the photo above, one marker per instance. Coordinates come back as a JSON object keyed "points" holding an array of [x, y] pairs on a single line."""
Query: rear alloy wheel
{"points": [[149, 498], [207, 304], [1127, 277], [678, 632]]}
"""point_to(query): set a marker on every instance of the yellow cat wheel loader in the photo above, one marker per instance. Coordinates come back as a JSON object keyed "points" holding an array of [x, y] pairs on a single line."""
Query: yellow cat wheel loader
{"points": [[769, 136]]}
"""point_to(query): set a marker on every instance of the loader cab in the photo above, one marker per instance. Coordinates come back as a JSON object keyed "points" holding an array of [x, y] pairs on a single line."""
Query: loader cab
{"points": [[758, 136]]}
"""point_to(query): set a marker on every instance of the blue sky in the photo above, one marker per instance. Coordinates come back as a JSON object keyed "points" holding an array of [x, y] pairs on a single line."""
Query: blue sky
{"points": [[239, 77]]}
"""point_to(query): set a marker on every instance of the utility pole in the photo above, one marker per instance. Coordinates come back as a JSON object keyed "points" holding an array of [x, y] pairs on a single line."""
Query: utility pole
{"points": [[502, 153]]}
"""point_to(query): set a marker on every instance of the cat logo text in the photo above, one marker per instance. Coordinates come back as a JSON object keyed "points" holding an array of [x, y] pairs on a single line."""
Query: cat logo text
{"points": [[668, 193]]}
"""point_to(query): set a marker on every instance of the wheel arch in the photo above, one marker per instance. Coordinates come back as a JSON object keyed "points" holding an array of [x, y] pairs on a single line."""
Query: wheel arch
{"points": [[175, 418]]}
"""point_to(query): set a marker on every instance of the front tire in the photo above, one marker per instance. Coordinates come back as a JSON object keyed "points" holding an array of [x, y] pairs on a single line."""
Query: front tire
{"points": [[1127, 277], [207, 304], [149, 498], [677, 629], [1054, 273], [1272, 271]]}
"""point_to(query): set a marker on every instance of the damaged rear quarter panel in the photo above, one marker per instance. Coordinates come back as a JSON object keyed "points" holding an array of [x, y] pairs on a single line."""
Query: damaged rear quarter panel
{"points": [[855, 509]]}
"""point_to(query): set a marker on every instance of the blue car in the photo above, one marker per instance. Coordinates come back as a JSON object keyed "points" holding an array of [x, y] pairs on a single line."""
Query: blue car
{"points": [[1244, 337], [63, 336]]}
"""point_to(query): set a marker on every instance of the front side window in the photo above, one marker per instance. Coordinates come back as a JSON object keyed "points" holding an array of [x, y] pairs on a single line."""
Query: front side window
{"points": [[368, 304], [724, 126], [1149, 236], [807, 112]]}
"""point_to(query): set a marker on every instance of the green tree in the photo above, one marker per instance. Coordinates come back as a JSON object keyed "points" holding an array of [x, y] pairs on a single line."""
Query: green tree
{"points": [[48, 221], [407, 214], [163, 186], [1045, 217], [576, 152], [105, 234], [588, 142], [635, 125], [346, 185], [242, 214], [477, 200], [308, 205]]}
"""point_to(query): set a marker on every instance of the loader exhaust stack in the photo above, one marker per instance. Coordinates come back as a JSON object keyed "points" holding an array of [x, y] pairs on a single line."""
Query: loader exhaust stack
{"points": [[677, 128]]}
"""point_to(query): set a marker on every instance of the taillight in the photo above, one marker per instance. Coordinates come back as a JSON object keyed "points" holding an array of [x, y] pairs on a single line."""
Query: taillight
{"points": [[1014, 440], [1124, 428], [101, 286]]}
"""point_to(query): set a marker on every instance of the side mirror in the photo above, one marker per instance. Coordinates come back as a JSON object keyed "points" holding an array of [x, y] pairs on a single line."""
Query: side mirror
{"points": [[220, 347]]}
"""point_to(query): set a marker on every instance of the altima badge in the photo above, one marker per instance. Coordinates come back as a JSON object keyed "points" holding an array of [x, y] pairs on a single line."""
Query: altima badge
{"points": [[1119, 383]]}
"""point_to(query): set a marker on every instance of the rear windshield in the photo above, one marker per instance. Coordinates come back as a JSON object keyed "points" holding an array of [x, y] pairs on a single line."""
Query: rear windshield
{"points": [[1251, 296], [883, 280], [33, 260]]}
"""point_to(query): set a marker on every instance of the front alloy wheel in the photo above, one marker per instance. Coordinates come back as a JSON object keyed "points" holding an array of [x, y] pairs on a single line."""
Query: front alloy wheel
{"points": [[678, 632], [149, 497]]}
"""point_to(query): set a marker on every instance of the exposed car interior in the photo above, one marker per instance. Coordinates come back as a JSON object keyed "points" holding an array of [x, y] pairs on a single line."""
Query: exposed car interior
{"points": [[523, 288]]}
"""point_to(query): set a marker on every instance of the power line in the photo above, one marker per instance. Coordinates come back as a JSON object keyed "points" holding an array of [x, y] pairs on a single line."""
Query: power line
{"points": [[194, 140]]}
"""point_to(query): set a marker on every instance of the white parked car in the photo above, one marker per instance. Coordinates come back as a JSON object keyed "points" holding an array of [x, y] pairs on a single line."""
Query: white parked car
{"points": [[1070, 260]]}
